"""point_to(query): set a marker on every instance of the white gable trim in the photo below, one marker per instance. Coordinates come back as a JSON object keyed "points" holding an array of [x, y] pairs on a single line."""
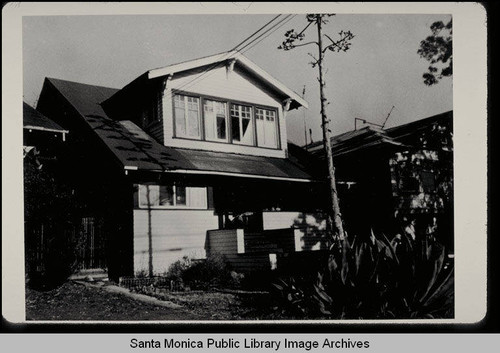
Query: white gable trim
{"points": [[242, 60]]}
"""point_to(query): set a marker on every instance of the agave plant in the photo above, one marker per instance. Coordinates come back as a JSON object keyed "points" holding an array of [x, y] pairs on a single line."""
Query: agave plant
{"points": [[426, 281], [376, 279], [291, 295]]}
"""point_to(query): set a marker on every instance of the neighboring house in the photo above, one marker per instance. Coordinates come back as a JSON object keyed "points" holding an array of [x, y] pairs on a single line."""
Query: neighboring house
{"points": [[189, 160], [41, 136], [43, 139], [422, 176], [396, 178]]}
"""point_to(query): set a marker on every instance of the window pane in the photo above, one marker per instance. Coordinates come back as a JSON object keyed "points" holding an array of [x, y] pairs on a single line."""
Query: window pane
{"points": [[267, 130], [235, 128], [242, 126], [261, 136], [148, 195], [180, 196], [209, 116], [215, 120], [179, 115], [270, 131], [180, 122], [193, 123], [221, 127], [197, 197], [247, 131], [166, 195]]}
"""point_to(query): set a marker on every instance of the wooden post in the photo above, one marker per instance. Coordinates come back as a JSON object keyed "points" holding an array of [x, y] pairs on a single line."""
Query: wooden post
{"points": [[334, 224], [150, 234]]}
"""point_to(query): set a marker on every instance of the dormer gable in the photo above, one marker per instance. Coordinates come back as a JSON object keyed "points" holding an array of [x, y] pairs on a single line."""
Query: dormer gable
{"points": [[222, 103]]}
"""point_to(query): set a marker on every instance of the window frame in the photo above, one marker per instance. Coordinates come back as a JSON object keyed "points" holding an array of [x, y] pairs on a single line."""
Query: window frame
{"points": [[186, 116], [187, 206], [240, 118], [227, 117], [229, 140], [277, 135]]}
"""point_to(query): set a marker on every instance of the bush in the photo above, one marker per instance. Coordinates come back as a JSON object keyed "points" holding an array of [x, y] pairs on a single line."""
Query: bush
{"points": [[203, 274], [374, 279], [177, 269]]}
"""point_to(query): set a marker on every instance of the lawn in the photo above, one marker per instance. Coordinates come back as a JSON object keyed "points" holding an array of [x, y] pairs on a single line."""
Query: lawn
{"points": [[74, 301]]}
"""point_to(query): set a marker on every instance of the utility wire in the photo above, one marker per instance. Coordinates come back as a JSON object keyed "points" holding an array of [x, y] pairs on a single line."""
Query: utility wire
{"points": [[269, 33], [228, 55], [240, 51], [254, 33]]}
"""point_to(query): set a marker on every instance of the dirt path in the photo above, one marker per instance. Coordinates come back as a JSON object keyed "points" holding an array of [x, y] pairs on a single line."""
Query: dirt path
{"points": [[74, 301]]}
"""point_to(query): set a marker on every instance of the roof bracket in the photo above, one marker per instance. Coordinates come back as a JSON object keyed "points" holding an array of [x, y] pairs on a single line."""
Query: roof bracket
{"points": [[165, 82], [286, 104], [230, 66]]}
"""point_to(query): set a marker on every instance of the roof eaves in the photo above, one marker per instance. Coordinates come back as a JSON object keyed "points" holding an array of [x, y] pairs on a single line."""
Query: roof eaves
{"points": [[32, 127], [188, 65], [244, 61]]}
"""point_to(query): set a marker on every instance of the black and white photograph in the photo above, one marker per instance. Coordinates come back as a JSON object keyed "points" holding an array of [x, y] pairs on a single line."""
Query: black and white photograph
{"points": [[252, 166]]}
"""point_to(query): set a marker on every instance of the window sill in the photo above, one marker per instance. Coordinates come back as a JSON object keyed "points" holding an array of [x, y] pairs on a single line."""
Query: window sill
{"points": [[173, 208], [226, 143]]}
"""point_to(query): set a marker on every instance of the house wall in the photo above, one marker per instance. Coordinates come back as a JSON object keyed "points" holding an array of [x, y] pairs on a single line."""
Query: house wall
{"points": [[280, 220], [175, 233], [218, 83]]}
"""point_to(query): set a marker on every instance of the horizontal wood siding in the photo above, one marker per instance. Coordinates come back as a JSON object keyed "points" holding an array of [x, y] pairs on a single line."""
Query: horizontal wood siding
{"points": [[218, 83], [245, 263], [223, 242], [226, 243], [235, 87], [175, 233], [155, 129]]}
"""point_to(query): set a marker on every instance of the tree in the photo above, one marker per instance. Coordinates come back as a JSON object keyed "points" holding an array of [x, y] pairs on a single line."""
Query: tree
{"points": [[293, 40], [437, 49], [50, 209]]}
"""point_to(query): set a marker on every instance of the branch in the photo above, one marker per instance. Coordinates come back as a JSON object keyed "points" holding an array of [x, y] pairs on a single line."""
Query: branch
{"points": [[305, 28], [342, 44], [301, 45], [315, 62], [292, 36]]}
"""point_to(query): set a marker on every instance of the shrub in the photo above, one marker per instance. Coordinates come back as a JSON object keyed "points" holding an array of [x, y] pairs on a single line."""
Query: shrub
{"points": [[374, 279], [176, 270], [203, 274]]}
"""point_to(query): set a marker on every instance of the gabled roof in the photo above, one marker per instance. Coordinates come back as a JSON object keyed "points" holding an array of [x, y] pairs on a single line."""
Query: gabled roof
{"points": [[370, 137], [402, 131], [85, 98], [34, 120], [356, 140], [212, 62], [134, 149]]}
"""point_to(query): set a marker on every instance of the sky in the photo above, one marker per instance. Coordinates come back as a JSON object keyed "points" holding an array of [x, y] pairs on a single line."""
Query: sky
{"points": [[382, 69]]}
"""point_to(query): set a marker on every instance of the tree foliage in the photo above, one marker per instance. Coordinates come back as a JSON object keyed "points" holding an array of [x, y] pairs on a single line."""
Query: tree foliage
{"points": [[49, 209], [437, 49]]}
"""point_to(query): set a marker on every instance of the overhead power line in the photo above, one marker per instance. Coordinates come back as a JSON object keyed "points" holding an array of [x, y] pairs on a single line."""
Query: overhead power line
{"points": [[230, 54], [237, 50]]}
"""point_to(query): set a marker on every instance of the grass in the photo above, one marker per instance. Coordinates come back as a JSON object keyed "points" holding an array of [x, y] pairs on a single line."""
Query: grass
{"points": [[77, 302]]}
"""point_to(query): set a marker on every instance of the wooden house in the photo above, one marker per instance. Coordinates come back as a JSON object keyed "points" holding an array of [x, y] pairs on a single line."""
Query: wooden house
{"points": [[396, 178], [189, 160]]}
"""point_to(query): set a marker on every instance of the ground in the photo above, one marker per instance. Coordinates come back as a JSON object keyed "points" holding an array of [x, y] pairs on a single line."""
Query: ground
{"points": [[73, 301]]}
